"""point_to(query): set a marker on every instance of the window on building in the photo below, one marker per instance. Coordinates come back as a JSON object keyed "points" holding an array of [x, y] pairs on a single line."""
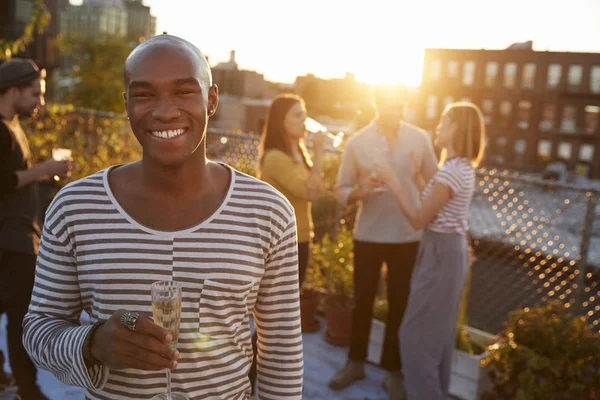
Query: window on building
{"points": [[452, 69], [592, 117], [575, 75], [491, 74], [436, 70], [23, 11], [432, 111], [524, 114], [448, 100], [500, 150], [520, 149], [487, 108], [569, 119], [528, 76], [548, 117], [565, 150], [586, 152], [554, 75], [505, 111], [595, 79], [510, 75], [545, 150], [469, 73]]}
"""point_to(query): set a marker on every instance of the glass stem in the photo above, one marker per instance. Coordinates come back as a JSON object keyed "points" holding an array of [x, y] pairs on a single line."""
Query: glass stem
{"points": [[169, 384]]}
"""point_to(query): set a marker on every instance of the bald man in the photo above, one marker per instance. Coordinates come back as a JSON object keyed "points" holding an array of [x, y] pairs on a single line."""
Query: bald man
{"points": [[174, 215]]}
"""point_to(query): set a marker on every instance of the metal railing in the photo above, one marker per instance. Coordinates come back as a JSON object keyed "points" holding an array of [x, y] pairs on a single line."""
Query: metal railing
{"points": [[533, 240]]}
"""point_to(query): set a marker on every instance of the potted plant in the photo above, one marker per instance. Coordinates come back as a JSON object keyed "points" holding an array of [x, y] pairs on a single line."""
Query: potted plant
{"points": [[310, 296], [545, 353], [335, 258], [468, 378]]}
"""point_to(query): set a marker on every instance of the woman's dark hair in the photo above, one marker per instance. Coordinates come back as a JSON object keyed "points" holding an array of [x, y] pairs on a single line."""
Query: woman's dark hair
{"points": [[274, 135]]}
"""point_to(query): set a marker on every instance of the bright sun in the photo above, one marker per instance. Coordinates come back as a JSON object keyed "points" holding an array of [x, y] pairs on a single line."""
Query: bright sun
{"points": [[407, 70]]}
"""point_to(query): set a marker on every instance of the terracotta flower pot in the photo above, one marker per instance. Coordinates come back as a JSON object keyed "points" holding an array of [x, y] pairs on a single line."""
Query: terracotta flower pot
{"points": [[339, 321]]}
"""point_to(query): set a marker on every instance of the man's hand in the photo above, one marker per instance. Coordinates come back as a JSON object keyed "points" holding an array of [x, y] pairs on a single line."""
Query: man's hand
{"points": [[417, 166], [62, 169], [147, 348], [384, 171]]}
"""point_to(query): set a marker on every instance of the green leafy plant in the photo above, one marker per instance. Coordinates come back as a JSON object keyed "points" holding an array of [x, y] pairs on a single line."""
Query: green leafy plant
{"points": [[545, 353], [96, 77], [335, 256], [97, 140], [314, 279]]}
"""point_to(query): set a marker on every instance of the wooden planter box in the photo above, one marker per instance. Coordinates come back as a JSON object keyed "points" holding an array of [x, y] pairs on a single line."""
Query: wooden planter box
{"points": [[468, 379]]}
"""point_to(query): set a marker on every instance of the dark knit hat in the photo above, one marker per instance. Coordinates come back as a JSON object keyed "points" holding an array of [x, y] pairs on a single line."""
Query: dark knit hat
{"points": [[18, 71]]}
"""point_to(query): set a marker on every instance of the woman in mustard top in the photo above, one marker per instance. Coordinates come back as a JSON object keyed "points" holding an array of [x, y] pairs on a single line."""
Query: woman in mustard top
{"points": [[285, 164]]}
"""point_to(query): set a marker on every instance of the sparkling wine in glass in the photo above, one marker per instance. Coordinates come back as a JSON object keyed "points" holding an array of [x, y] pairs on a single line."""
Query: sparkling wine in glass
{"points": [[59, 154], [380, 151], [313, 128], [166, 310]]}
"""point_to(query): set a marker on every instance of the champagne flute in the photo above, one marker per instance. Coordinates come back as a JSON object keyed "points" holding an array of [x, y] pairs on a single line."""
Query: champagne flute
{"points": [[166, 310], [380, 152], [59, 154], [313, 127]]}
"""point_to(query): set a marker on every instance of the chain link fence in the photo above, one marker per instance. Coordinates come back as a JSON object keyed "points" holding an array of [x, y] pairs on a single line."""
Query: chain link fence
{"points": [[533, 240]]}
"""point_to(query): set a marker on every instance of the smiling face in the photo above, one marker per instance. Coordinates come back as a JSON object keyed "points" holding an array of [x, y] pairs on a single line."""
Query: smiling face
{"points": [[165, 103]]}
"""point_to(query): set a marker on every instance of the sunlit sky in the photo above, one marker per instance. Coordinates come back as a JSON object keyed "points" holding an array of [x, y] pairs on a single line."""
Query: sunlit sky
{"points": [[378, 40]]}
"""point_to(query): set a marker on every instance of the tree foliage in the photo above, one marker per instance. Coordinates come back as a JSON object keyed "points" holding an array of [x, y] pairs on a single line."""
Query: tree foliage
{"points": [[95, 80], [39, 20]]}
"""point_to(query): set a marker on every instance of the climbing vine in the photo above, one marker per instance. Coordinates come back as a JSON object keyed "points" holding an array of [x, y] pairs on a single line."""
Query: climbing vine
{"points": [[39, 20]]}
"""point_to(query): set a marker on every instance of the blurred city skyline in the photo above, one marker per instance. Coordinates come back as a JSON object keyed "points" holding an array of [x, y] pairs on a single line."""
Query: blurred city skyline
{"points": [[382, 43]]}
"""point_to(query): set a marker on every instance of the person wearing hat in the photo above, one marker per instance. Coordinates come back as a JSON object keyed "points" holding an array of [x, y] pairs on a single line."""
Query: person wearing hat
{"points": [[22, 88]]}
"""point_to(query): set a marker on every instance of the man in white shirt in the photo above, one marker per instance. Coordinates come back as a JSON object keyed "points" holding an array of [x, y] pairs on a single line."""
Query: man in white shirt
{"points": [[382, 233]]}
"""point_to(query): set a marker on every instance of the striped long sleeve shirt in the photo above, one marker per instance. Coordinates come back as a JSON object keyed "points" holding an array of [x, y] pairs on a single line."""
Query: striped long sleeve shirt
{"points": [[241, 260]]}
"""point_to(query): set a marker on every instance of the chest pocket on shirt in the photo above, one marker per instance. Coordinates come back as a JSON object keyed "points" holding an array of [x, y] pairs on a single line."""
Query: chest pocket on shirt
{"points": [[223, 308]]}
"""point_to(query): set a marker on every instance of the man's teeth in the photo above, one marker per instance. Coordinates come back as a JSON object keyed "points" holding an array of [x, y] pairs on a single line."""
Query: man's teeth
{"points": [[167, 134]]}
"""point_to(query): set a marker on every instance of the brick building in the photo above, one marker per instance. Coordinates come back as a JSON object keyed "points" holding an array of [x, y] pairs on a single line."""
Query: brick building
{"points": [[540, 107]]}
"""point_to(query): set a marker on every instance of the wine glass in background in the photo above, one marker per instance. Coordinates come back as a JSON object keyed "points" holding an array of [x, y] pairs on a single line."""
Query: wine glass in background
{"points": [[59, 154], [166, 310], [380, 152], [313, 127]]}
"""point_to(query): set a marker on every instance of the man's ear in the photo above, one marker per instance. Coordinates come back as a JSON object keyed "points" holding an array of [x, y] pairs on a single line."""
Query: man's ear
{"points": [[213, 100]]}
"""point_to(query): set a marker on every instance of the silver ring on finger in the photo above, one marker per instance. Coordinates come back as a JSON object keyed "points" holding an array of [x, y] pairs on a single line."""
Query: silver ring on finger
{"points": [[129, 319]]}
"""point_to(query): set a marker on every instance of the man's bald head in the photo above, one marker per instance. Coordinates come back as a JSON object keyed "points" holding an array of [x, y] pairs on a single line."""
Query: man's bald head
{"points": [[161, 43]]}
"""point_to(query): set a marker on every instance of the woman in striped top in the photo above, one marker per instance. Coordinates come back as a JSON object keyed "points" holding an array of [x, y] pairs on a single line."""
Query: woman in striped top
{"points": [[428, 331], [227, 238]]}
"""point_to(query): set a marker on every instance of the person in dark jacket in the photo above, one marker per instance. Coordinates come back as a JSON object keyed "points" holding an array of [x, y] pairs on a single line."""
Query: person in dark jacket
{"points": [[22, 89]]}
